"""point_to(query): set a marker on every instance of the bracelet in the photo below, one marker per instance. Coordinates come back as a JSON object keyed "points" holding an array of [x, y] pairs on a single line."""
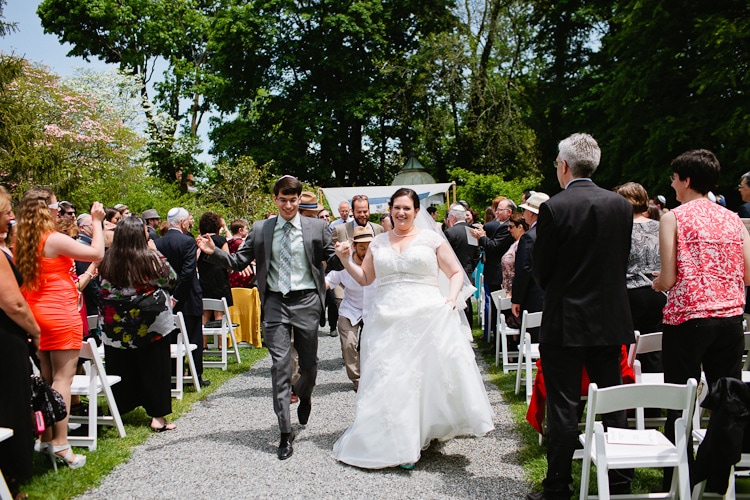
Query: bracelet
{"points": [[89, 274]]}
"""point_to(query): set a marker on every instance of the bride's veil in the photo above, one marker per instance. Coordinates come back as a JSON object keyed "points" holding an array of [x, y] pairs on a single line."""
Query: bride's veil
{"points": [[424, 221]]}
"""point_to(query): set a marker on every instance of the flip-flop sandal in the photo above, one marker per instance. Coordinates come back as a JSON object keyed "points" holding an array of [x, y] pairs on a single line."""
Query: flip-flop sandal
{"points": [[166, 427]]}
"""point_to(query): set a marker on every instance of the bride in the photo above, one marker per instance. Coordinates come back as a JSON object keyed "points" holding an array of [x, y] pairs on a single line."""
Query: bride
{"points": [[419, 379]]}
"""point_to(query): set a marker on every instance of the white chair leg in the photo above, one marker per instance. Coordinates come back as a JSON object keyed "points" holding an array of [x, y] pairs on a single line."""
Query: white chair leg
{"points": [[519, 369], [529, 377], [602, 482]]}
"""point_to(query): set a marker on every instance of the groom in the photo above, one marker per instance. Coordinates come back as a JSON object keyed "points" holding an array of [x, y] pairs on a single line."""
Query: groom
{"points": [[289, 252]]}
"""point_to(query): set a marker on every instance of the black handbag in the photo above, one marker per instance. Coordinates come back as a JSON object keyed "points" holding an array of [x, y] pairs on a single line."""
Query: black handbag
{"points": [[47, 400]]}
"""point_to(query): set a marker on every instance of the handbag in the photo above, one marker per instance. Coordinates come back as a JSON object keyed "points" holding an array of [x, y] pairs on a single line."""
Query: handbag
{"points": [[47, 401]]}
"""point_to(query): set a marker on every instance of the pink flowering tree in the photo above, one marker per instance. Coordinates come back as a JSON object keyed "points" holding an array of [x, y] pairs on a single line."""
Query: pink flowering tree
{"points": [[51, 134]]}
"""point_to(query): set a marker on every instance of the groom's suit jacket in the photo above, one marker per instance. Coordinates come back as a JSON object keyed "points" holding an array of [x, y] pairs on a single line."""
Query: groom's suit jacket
{"points": [[318, 249]]}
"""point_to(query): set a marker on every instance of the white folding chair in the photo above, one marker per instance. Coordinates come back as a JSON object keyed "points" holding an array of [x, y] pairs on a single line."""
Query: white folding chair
{"points": [[93, 321], [632, 452], [95, 383], [503, 332], [644, 344], [528, 353], [480, 303], [746, 360], [179, 351], [5, 433], [218, 343]]}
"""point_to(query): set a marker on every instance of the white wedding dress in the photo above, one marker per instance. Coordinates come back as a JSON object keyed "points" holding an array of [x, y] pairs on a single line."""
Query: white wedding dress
{"points": [[419, 379]]}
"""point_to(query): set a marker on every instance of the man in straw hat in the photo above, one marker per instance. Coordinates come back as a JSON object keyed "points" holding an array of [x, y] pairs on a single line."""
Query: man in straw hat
{"points": [[355, 304]]}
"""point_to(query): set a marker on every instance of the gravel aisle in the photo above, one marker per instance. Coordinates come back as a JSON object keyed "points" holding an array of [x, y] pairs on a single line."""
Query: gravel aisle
{"points": [[225, 447]]}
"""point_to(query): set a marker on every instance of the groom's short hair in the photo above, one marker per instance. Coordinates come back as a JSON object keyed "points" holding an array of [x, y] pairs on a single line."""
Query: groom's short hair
{"points": [[287, 184]]}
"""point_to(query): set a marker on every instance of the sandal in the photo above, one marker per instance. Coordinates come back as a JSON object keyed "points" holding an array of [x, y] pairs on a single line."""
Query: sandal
{"points": [[168, 426], [70, 459]]}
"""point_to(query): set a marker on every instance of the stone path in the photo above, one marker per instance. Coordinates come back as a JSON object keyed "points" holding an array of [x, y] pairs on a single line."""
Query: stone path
{"points": [[225, 447]]}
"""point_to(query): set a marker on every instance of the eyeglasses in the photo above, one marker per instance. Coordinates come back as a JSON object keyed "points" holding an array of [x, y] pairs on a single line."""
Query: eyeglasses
{"points": [[70, 213], [54, 206], [742, 185]]}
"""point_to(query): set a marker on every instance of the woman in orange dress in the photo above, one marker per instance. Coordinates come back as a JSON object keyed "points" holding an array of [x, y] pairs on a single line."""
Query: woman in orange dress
{"points": [[44, 258]]}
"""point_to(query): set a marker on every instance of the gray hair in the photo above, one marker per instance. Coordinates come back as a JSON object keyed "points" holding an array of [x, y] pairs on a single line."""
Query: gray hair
{"points": [[746, 178], [176, 215], [582, 154], [458, 211]]}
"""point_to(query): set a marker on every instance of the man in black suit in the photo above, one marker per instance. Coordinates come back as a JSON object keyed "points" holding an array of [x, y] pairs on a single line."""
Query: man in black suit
{"points": [[526, 295], [466, 251], [580, 261], [495, 244], [181, 250], [290, 252]]}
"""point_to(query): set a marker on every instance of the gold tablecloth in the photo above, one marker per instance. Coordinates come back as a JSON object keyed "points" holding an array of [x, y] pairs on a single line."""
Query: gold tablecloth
{"points": [[246, 313]]}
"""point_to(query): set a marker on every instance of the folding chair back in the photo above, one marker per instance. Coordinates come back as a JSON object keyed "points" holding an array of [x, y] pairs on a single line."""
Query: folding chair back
{"points": [[5, 433], [660, 453], [179, 351], [218, 334], [644, 343], [528, 353], [503, 332], [95, 383]]}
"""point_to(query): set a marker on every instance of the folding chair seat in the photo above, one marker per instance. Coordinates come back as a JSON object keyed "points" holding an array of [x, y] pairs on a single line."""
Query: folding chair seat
{"points": [[218, 331], [503, 332], [529, 352], [5, 433], [179, 352], [607, 452], [94, 383]]}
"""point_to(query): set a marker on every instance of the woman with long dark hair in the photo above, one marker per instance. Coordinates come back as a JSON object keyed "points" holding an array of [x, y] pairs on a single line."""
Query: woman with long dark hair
{"points": [[44, 258], [136, 319]]}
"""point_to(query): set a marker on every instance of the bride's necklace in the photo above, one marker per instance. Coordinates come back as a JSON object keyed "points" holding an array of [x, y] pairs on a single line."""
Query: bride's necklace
{"points": [[408, 233]]}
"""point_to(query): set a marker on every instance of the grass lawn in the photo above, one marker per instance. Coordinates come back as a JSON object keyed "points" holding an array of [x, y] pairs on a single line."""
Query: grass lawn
{"points": [[112, 450], [533, 456]]}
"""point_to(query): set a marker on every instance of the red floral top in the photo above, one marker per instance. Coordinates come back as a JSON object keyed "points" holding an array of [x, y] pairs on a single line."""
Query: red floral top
{"points": [[710, 266]]}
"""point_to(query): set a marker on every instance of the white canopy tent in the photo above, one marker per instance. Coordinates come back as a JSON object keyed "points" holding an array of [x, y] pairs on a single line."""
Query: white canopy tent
{"points": [[379, 195]]}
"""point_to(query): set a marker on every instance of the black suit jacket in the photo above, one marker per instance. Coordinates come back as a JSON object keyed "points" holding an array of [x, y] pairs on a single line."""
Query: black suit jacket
{"points": [[580, 261], [468, 255], [495, 247], [526, 292], [318, 249], [181, 251]]}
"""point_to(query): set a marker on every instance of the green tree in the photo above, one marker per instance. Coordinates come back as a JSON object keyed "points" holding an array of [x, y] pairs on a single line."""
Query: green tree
{"points": [[51, 134], [305, 82], [671, 76], [242, 188], [139, 36]]}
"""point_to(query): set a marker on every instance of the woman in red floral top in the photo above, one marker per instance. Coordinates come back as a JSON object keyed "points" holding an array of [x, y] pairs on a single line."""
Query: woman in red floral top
{"points": [[705, 265]]}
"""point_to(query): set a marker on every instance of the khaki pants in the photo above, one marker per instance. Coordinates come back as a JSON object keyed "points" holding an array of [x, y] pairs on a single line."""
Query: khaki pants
{"points": [[349, 337]]}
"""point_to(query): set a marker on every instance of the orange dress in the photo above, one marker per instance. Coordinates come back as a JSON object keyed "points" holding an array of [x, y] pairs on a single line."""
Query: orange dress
{"points": [[55, 304]]}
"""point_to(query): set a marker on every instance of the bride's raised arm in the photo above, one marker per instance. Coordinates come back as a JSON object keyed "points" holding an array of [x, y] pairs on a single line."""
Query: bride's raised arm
{"points": [[364, 274]]}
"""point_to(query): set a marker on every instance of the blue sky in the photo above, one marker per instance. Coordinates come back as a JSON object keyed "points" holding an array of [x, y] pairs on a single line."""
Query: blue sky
{"points": [[31, 42]]}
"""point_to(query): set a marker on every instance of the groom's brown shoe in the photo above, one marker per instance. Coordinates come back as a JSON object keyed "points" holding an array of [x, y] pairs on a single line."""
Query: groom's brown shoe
{"points": [[285, 445]]}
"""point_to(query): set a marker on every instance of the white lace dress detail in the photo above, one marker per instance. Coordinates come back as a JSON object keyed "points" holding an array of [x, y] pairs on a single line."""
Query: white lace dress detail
{"points": [[419, 379]]}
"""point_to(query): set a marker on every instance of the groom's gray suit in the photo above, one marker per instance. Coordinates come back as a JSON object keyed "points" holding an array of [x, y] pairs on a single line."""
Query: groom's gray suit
{"points": [[297, 312]]}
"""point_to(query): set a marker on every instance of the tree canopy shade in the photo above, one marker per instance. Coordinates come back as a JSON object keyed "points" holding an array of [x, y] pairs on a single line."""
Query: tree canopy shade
{"points": [[649, 79], [309, 84]]}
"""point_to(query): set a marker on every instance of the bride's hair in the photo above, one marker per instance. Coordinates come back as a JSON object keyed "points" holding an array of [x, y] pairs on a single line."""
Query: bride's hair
{"points": [[405, 192]]}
